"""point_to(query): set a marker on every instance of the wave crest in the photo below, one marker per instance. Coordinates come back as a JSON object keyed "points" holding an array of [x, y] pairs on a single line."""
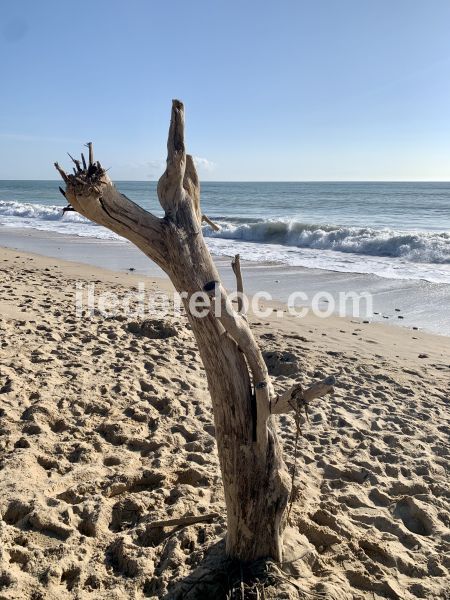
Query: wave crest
{"points": [[412, 246], [24, 210]]}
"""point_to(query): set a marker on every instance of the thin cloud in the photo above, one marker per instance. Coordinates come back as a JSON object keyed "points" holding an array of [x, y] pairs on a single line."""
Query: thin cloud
{"points": [[203, 164], [156, 167]]}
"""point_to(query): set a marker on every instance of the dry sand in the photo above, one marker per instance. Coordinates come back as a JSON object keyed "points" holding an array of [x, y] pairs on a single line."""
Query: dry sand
{"points": [[104, 432]]}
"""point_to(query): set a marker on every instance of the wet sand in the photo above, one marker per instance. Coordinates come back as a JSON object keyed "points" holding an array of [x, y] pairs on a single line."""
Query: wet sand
{"points": [[406, 303]]}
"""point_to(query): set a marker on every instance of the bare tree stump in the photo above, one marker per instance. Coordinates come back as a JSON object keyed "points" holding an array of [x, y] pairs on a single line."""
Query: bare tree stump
{"points": [[255, 478]]}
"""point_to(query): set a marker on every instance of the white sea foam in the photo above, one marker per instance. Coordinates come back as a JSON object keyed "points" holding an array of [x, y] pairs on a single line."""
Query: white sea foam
{"points": [[414, 246], [23, 210], [384, 252], [391, 268], [50, 218]]}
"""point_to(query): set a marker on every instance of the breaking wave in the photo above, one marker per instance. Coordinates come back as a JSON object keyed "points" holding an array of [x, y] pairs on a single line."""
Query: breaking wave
{"points": [[264, 236], [414, 246], [10, 208]]}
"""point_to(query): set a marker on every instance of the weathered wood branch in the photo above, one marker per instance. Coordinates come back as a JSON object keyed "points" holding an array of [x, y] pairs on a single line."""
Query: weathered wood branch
{"points": [[213, 225], [183, 521], [76, 162], [91, 153], [320, 389], [61, 172], [91, 193], [296, 397], [191, 185], [238, 328], [236, 266], [170, 186]]}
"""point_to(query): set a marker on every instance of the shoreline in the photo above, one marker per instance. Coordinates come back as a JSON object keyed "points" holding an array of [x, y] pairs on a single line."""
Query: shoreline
{"points": [[403, 343], [406, 303]]}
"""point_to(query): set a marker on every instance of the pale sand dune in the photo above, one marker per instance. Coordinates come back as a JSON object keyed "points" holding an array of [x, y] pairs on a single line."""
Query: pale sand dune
{"points": [[104, 432]]}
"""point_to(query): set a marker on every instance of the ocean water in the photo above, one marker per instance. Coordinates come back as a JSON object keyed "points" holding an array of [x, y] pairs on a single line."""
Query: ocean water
{"points": [[393, 230]]}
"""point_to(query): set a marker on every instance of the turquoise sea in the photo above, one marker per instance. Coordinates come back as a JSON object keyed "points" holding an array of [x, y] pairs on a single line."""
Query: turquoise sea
{"points": [[394, 230]]}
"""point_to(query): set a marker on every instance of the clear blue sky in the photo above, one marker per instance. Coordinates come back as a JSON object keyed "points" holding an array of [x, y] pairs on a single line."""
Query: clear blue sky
{"points": [[274, 90]]}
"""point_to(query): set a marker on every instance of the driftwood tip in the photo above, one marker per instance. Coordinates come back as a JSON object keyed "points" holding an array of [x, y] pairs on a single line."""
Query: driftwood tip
{"points": [[177, 104], [91, 153], [61, 172]]}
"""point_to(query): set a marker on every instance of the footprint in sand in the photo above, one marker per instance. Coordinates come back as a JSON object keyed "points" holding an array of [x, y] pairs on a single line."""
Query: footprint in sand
{"points": [[413, 516]]}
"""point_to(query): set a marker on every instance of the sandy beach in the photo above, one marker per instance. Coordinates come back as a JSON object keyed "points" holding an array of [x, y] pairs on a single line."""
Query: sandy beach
{"points": [[225, 301], [105, 432], [421, 303]]}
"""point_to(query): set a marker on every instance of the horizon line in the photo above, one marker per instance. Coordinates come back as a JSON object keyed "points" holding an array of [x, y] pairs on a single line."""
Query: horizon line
{"points": [[270, 180]]}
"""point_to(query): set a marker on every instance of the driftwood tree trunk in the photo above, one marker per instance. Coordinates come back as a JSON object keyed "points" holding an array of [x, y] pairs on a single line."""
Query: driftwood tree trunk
{"points": [[255, 479]]}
